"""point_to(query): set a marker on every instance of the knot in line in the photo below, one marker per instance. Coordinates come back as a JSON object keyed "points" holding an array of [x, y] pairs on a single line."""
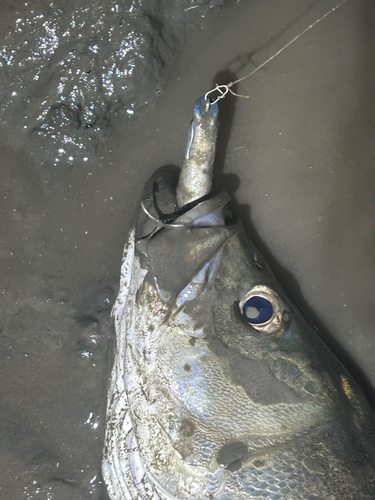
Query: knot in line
{"points": [[223, 91]]}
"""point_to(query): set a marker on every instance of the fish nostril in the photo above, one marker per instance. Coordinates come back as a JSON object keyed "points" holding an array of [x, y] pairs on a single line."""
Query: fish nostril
{"points": [[256, 258], [232, 454]]}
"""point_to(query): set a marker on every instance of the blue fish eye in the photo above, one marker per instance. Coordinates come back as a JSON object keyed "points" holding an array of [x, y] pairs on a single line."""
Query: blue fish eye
{"points": [[257, 310]]}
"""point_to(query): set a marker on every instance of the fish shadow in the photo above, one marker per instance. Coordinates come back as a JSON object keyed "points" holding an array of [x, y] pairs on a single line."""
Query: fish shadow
{"points": [[230, 183]]}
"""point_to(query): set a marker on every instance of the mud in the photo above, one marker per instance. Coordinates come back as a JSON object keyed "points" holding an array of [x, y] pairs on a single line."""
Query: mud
{"points": [[297, 156], [69, 68]]}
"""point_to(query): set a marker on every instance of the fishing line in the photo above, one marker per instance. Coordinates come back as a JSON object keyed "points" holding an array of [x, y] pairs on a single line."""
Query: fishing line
{"points": [[224, 89]]}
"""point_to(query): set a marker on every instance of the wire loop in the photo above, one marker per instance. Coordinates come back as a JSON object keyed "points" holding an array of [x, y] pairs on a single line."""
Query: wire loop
{"points": [[159, 222]]}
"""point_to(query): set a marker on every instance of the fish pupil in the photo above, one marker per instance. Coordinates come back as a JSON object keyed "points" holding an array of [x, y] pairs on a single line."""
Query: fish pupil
{"points": [[252, 313], [257, 310]]}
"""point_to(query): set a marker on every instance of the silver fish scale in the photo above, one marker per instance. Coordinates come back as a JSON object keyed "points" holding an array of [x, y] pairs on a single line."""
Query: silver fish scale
{"points": [[282, 479]]}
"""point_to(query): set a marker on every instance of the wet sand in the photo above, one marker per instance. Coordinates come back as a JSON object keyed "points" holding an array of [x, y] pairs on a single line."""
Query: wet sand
{"points": [[298, 158]]}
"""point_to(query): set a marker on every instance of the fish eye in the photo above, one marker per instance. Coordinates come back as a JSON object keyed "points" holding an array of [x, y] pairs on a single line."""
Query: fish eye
{"points": [[257, 310], [263, 308]]}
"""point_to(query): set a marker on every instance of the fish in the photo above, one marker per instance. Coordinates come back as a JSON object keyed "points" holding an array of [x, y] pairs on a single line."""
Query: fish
{"points": [[220, 389]]}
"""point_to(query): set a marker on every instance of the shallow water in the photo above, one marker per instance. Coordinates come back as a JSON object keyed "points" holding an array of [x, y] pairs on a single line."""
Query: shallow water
{"points": [[298, 157]]}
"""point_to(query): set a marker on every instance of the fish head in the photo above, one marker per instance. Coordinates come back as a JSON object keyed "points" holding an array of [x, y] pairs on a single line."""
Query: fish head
{"points": [[230, 393], [228, 385]]}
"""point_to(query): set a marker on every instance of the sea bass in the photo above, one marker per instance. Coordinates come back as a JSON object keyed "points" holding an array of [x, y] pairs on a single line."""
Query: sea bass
{"points": [[219, 388]]}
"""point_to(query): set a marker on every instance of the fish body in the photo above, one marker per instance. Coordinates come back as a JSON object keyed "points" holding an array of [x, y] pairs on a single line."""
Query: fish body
{"points": [[220, 389]]}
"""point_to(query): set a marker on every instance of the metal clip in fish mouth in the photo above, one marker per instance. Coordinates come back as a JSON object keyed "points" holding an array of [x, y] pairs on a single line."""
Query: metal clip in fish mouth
{"points": [[263, 308]]}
